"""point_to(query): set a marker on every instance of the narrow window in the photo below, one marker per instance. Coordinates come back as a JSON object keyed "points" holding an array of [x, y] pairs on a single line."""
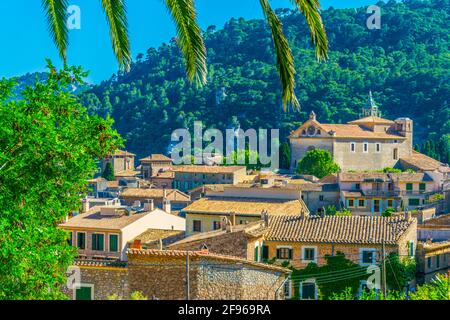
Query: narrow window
{"points": [[378, 147], [351, 203], [395, 154], [353, 147], [361, 203], [366, 147], [81, 240]]}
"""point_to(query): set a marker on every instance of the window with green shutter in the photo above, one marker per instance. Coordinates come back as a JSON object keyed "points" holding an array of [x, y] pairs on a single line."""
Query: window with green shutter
{"points": [[98, 241], [83, 293], [411, 248], [422, 187], [81, 240], [409, 187], [113, 243], [265, 253], [414, 202]]}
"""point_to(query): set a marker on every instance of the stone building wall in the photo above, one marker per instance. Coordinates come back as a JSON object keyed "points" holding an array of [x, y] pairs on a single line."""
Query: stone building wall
{"points": [[232, 282], [105, 282]]}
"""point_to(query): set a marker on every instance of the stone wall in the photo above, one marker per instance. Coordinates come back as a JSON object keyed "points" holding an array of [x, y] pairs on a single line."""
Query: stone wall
{"points": [[105, 282]]}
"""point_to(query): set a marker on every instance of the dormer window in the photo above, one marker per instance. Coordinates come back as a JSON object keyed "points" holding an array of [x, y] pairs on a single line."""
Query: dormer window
{"points": [[304, 133]]}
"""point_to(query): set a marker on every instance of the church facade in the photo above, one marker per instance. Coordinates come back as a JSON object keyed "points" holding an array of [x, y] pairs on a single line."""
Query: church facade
{"points": [[369, 143]]}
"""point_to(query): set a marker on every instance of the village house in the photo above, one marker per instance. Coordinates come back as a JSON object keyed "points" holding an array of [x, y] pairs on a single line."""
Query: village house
{"points": [[120, 161], [187, 177], [152, 165], [162, 275], [436, 228], [372, 192], [169, 199], [104, 232], [369, 143], [432, 258]]}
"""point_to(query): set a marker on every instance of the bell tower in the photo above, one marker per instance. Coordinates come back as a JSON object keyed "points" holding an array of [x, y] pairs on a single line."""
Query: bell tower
{"points": [[404, 127], [371, 109]]}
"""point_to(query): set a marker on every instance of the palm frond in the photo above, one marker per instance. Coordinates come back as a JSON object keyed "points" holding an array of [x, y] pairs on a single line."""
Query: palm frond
{"points": [[285, 60], [116, 15], [190, 38], [311, 10], [56, 12]]}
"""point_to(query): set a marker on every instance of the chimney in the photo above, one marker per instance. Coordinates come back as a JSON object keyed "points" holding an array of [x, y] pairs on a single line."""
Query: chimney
{"points": [[149, 205], [265, 218], [167, 206], [302, 214], [408, 215], [85, 205], [136, 245], [229, 227], [223, 223], [233, 218]]}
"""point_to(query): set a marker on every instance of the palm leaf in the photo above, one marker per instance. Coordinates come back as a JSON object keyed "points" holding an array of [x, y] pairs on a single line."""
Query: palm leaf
{"points": [[116, 15], [311, 10], [56, 12], [190, 38], [285, 60]]}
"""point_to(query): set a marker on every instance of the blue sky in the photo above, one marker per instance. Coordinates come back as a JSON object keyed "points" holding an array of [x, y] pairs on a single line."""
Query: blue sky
{"points": [[26, 41]]}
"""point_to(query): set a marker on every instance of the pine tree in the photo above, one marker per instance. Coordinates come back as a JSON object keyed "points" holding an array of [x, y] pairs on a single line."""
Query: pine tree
{"points": [[285, 156], [108, 173]]}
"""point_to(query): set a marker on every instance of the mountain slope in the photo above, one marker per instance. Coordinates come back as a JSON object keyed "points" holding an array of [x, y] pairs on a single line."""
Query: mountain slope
{"points": [[406, 65]]}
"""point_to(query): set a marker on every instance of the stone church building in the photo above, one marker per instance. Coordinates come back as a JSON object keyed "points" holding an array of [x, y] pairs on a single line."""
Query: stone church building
{"points": [[369, 143]]}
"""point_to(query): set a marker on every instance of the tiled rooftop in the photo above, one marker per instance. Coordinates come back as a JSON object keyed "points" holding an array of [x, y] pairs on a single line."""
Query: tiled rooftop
{"points": [[337, 229], [247, 206]]}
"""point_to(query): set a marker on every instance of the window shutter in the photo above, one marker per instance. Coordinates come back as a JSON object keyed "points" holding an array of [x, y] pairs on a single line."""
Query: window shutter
{"points": [[278, 253], [290, 254]]}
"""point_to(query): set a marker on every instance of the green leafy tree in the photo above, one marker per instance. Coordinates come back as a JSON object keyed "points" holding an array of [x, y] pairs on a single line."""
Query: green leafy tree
{"points": [[190, 40], [318, 163], [388, 212], [108, 173], [48, 149], [337, 274], [399, 271], [437, 289]]}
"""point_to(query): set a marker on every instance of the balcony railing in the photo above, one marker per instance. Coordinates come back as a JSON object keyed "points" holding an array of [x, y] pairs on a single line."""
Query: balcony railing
{"points": [[381, 193]]}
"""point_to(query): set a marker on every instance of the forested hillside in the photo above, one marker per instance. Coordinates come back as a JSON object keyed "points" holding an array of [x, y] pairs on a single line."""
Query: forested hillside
{"points": [[406, 64]]}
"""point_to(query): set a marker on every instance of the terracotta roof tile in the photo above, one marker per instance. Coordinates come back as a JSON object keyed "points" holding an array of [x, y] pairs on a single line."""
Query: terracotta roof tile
{"points": [[156, 157], [171, 194], [336, 229], [246, 206], [207, 169], [422, 162], [372, 120]]}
